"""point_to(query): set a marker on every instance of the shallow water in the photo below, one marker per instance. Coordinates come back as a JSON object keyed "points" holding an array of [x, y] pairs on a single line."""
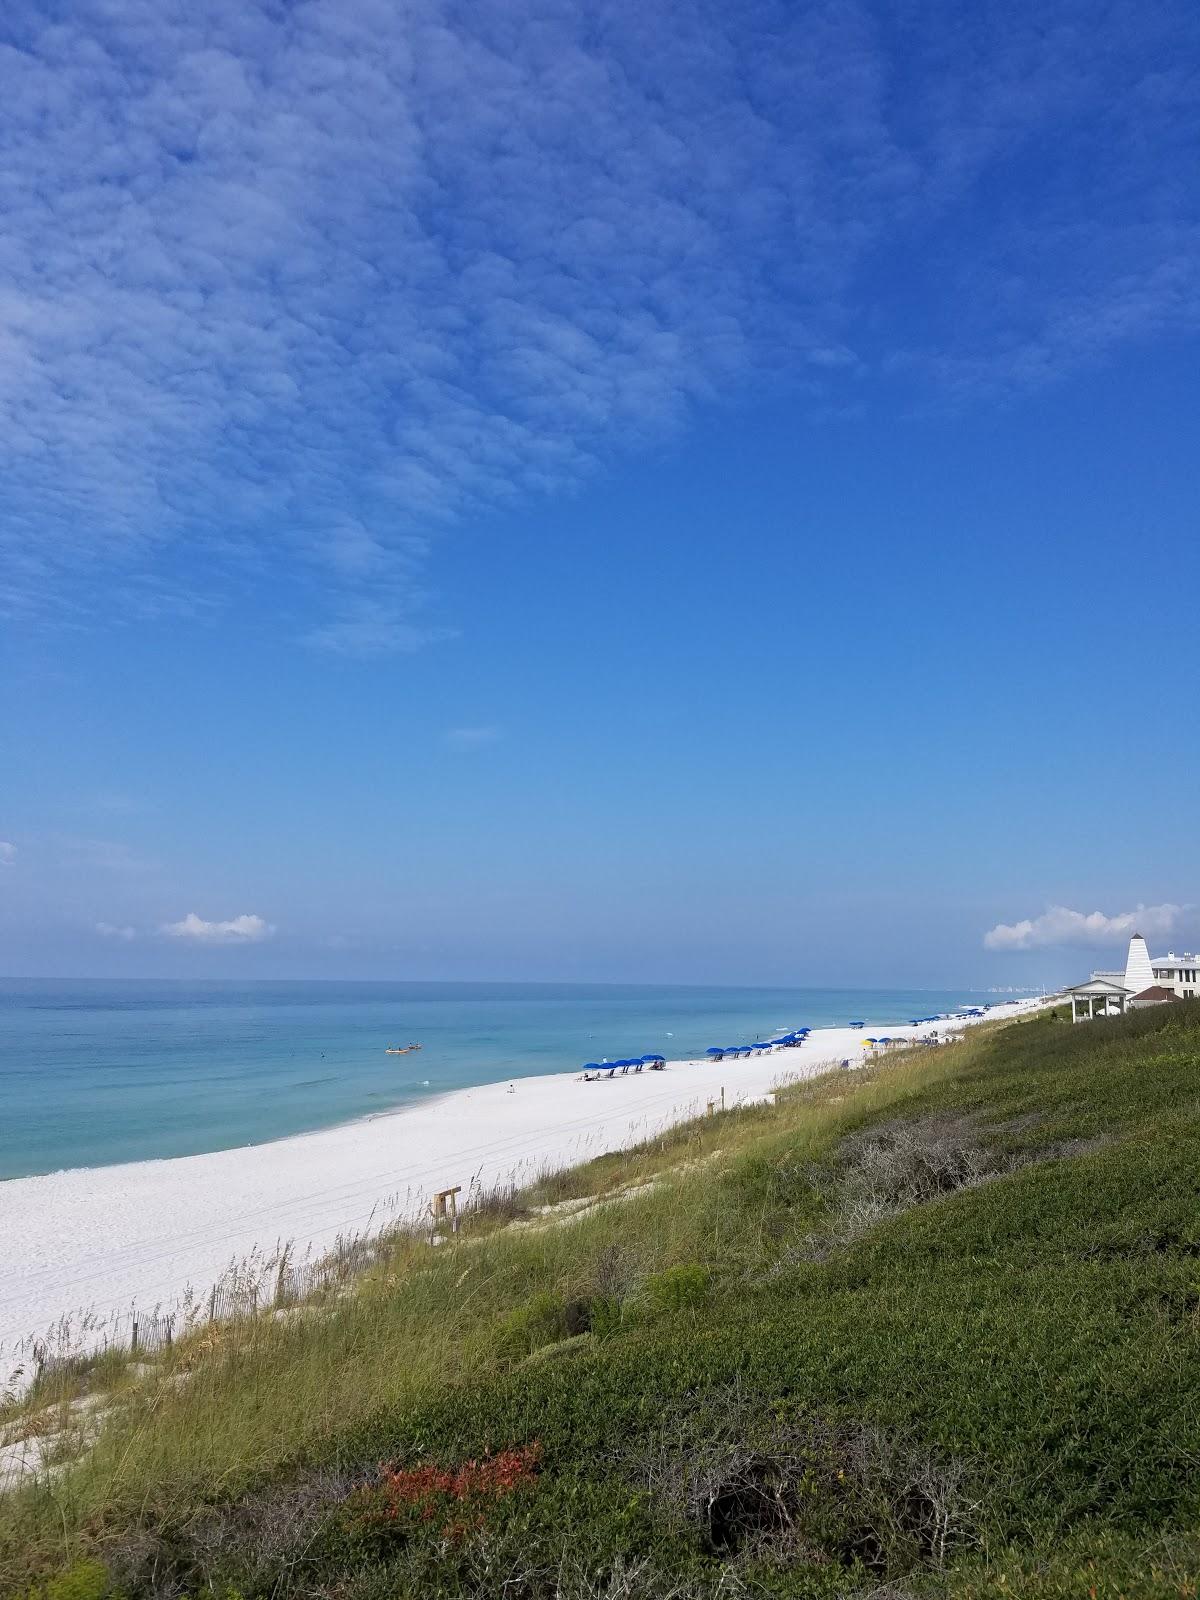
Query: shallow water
{"points": [[92, 1073]]}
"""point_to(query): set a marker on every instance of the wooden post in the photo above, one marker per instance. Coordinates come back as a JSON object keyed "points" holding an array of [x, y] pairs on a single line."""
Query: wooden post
{"points": [[711, 1104], [444, 1205], [722, 1097], [212, 1304], [133, 1338]]}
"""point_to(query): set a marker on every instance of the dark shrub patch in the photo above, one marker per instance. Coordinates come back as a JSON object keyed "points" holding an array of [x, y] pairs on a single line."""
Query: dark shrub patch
{"points": [[577, 1317], [802, 1489]]}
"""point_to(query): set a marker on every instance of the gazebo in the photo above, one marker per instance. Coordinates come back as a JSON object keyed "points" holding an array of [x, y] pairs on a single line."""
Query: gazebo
{"points": [[1101, 998]]}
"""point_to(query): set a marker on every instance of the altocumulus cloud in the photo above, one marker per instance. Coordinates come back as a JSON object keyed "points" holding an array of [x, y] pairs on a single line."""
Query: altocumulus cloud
{"points": [[289, 289], [1060, 926], [246, 929]]}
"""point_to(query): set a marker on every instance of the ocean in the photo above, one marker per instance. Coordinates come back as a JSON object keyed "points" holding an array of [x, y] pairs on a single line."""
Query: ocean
{"points": [[94, 1073]]}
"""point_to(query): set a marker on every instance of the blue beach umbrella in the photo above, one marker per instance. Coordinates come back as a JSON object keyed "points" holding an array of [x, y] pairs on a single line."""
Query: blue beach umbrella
{"points": [[715, 1050], [858, 1024], [591, 1066], [649, 1060]]}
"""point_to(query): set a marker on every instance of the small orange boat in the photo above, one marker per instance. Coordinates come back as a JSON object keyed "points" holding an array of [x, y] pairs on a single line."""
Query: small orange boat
{"points": [[400, 1049]]}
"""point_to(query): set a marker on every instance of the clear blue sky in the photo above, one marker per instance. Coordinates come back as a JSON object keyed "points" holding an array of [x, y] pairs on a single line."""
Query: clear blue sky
{"points": [[661, 492]]}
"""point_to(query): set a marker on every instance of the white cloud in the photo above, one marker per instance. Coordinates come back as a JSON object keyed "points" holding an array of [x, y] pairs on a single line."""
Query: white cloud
{"points": [[246, 929], [472, 738], [8, 853], [1058, 925], [110, 930]]}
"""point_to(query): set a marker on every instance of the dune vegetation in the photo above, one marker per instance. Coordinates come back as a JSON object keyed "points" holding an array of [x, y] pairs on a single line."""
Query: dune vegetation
{"points": [[929, 1327]]}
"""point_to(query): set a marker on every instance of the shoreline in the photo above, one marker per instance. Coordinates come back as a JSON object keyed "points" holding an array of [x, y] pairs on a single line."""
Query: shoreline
{"points": [[89, 1244]]}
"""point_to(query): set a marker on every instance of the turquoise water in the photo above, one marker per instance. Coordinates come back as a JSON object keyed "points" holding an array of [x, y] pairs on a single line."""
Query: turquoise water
{"points": [[92, 1073]]}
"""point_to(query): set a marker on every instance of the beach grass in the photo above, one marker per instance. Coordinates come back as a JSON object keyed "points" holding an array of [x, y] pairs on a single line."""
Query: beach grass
{"points": [[930, 1326]]}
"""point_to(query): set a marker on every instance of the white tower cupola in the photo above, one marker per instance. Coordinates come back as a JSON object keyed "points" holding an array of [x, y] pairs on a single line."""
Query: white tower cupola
{"points": [[1139, 974]]}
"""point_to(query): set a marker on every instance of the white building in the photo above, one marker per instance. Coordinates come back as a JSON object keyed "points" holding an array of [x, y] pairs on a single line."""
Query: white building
{"points": [[1146, 980], [1181, 973]]}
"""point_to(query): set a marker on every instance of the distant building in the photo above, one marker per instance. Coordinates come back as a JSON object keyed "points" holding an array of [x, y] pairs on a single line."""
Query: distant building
{"points": [[1146, 981], [1181, 973]]}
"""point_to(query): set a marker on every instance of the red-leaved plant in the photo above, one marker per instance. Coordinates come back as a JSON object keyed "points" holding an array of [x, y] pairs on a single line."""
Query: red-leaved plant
{"points": [[452, 1503]]}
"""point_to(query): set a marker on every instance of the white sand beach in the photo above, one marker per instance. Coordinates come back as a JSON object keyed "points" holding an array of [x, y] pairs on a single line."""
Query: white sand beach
{"points": [[107, 1239]]}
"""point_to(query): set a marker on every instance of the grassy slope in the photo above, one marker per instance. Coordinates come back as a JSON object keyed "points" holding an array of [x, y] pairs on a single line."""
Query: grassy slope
{"points": [[993, 1392]]}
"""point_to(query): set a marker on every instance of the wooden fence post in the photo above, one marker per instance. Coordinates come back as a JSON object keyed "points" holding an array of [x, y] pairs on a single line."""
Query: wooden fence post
{"points": [[443, 1206], [133, 1338]]}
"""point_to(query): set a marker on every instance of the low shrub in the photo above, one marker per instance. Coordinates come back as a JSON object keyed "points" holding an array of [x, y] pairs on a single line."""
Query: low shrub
{"points": [[681, 1288], [605, 1314], [82, 1580], [542, 1319]]}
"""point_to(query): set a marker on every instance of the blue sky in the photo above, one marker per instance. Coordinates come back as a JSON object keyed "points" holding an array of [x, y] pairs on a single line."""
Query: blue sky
{"points": [[613, 491]]}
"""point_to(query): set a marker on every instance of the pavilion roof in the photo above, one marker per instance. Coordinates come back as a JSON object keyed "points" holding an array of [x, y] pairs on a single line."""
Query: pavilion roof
{"points": [[1098, 986]]}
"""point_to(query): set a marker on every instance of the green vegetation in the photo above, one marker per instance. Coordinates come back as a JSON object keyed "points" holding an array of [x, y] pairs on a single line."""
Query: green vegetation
{"points": [[931, 1328]]}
